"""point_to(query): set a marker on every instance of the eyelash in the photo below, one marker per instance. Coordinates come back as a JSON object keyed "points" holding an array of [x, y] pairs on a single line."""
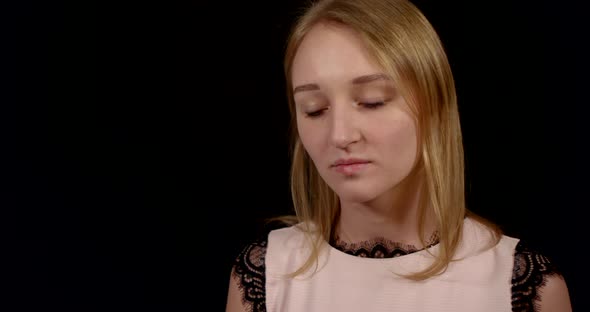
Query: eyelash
{"points": [[372, 105], [315, 114]]}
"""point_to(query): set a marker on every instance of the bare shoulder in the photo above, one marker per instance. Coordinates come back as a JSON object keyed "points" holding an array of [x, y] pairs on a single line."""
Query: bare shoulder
{"points": [[246, 290], [537, 283], [247, 282], [235, 296], [554, 295]]}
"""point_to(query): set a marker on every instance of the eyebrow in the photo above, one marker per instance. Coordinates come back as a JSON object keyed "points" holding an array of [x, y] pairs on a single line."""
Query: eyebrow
{"points": [[306, 87], [355, 81], [370, 78]]}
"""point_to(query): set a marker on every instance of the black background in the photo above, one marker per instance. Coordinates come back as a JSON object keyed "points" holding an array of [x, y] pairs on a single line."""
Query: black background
{"points": [[144, 142]]}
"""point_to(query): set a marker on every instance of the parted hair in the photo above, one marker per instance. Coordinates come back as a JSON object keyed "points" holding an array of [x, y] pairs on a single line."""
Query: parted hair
{"points": [[406, 46]]}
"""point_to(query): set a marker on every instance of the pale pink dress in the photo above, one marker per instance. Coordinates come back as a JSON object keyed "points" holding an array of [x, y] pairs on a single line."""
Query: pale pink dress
{"points": [[479, 281]]}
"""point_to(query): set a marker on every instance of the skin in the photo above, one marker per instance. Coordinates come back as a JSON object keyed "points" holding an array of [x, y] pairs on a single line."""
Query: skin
{"points": [[336, 88], [554, 295], [348, 108]]}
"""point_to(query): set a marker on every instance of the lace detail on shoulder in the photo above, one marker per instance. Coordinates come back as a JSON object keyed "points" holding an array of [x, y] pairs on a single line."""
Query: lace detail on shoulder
{"points": [[249, 270], [529, 276], [380, 247]]}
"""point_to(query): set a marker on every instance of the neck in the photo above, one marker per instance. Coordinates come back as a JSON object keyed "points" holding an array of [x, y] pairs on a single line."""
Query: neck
{"points": [[393, 216]]}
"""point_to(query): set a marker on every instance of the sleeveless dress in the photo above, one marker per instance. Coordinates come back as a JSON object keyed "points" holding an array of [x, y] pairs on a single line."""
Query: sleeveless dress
{"points": [[506, 277]]}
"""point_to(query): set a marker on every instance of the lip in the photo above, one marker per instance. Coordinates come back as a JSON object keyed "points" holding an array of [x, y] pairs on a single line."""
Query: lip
{"points": [[350, 166]]}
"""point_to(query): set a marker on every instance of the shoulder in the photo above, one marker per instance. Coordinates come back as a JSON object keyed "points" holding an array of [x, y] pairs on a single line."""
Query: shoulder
{"points": [[291, 236], [537, 283], [251, 259], [480, 235], [248, 274]]}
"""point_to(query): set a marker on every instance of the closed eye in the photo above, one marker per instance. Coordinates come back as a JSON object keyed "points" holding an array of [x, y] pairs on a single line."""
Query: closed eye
{"points": [[368, 105], [372, 105], [313, 114]]}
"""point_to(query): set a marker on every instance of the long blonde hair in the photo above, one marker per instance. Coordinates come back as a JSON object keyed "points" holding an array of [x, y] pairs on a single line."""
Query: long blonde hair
{"points": [[406, 46]]}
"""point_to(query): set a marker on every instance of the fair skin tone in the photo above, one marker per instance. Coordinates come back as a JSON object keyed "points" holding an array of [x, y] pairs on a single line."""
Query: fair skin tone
{"points": [[347, 108]]}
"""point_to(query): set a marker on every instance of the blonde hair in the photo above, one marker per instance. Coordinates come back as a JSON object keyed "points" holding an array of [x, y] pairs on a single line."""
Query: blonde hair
{"points": [[406, 46]]}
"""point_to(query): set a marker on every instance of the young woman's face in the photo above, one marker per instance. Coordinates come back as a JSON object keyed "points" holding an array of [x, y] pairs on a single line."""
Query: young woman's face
{"points": [[353, 123]]}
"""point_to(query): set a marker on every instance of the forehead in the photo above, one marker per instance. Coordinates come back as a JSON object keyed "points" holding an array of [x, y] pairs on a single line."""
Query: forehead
{"points": [[331, 52]]}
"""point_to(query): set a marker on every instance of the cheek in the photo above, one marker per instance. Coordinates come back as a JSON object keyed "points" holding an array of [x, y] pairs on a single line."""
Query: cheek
{"points": [[310, 138], [402, 143]]}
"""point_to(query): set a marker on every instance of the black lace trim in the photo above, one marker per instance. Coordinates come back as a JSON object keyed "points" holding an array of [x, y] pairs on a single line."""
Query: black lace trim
{"points": [[529, 276], [249, 270], [380, 247]]}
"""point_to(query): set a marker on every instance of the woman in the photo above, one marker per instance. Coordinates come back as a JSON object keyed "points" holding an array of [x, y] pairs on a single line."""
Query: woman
{"points": [[378, 182]]}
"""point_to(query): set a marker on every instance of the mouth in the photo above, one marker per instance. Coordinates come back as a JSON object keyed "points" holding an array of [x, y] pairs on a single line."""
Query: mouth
{"points": [[350, 166]]}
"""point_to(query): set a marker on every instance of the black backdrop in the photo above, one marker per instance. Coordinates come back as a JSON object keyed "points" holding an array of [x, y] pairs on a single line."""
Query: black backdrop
{"points": [[143, 142]]}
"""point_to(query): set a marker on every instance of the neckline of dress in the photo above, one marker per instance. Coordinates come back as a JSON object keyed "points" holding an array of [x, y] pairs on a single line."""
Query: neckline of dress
{"points": [[380, 247]]}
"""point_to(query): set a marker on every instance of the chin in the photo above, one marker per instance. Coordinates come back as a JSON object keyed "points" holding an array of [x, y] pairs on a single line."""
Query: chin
{"points": [[356, 194]]}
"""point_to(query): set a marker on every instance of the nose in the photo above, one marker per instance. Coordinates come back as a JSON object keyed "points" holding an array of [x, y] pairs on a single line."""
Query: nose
{"points": [[344, 131]]}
